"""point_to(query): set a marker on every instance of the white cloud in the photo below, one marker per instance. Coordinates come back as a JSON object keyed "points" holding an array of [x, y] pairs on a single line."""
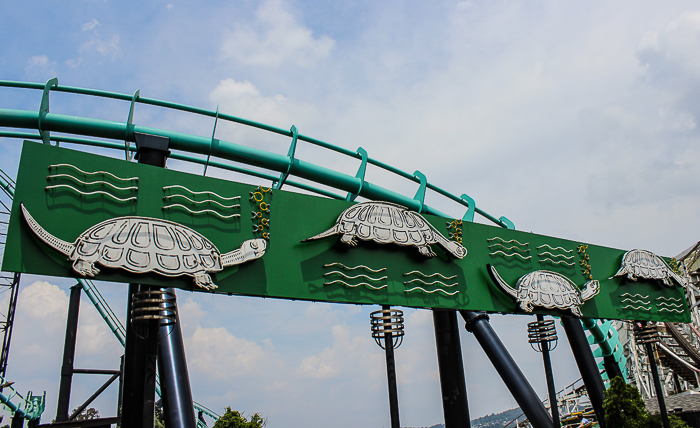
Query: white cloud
{"points": [[105, 47], [245, 100], [108, 46], [90, 25], [221, 355], [39, 67], [274, 39]]}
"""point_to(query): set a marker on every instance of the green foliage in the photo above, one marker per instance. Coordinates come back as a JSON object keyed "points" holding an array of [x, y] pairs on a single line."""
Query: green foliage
{"points": [[624, 408], [86, 414], [654, 421], [233, 419]]}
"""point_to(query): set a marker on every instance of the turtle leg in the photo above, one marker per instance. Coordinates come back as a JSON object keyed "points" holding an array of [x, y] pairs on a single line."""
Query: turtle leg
{"points": [[631, 276], [526, 305], [203, 280], [576, 311], [85, 268], [349, 239], [426, 251]]}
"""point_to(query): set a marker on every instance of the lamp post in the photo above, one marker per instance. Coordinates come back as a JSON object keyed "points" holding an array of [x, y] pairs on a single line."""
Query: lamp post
{"points": [[542, 336], [387, 324]]}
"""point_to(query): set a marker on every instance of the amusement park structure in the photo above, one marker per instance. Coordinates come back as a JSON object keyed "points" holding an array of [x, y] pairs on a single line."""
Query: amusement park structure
{"points": [[612, 347]]}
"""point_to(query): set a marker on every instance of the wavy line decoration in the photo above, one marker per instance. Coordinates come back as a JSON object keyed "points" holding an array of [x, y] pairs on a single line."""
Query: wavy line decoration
{"points": [[669, 299], [337, 281], [192, 206], [356, 267], [431, 291], [556, 262], [672, 305], [547, 253], [205, 192], [635, 295], [510, 255], [86, 173], [369, 278], [555, 248], [171, 206], [80, 186], [507, 242], [513, 248], [640, 308], [370, 282], [92, 183], [636, 302], [557, 256], [420, 281], [96, 192], [206, 201], [437, 284], [679, 311], [637, 308], [415, 272]]}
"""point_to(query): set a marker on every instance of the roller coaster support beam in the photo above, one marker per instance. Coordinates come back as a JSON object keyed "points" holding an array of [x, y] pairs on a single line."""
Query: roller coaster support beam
{"points": [[478, 324], [139, 388], [175, 388], [452, 383], [586, 365], [64, 388], [9, 323]]}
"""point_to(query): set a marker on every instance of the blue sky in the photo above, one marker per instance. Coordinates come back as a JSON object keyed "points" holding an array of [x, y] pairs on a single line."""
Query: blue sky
{"points": [[576, 120]]}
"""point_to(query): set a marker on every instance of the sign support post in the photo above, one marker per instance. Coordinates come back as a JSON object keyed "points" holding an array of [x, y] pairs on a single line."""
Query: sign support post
{"points": [[452, 384]]}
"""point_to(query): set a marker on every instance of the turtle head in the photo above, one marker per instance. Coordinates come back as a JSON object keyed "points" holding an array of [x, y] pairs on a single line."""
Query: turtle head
{"points": [[456, 249], [590, 289], [255, 246]]}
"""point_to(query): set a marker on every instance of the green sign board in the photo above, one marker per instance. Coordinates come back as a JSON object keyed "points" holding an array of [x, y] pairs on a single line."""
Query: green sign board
{"points": [[81, 215]]}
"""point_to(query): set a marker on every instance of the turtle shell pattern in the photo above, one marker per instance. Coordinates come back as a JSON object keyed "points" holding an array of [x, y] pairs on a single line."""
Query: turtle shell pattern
{"points": [[645, 264], [386, 223], [142, 244], [548, 289]]}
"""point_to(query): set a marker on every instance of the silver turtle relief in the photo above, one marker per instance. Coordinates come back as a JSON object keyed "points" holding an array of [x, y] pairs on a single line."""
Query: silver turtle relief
{"points": [[547, 289], [388, 223], [144, 244], [647, 265]]}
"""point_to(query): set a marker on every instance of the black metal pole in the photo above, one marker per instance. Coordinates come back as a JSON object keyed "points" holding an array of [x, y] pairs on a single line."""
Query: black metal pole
{"points": [[586, 365], [550, 380], [657, 385], [391, 376], [139, 386], [64, 388], [178, 409], [17, 421], [449, 351], [612, 368], [517, 384]]}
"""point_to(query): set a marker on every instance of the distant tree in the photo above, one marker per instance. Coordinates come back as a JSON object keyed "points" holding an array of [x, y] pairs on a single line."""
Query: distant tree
{"points": [[655, 421], [624, 408], [86, 414], [159, 420], [233, 419]]}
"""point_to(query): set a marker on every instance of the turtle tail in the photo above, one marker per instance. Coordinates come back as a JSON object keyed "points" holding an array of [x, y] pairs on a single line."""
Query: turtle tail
{"points": [[50, 240], [332, 231], [500, 282]]}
